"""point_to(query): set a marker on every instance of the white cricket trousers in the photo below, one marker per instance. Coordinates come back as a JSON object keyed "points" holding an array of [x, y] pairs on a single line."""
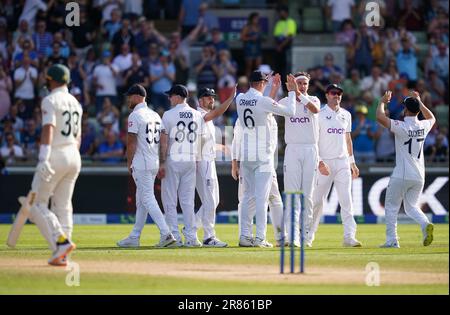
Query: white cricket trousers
{"points": [[340, 175], [275, 207], [408, 191], [146, 202], [257, 178], [179, 185], [207, 185], [300, 169], [58, 220]]}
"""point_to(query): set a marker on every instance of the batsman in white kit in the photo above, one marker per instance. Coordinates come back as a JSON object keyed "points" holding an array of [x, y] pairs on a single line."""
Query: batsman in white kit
{"points": [[207, 183], [301, 156], [182, 136], [408, 177], [143, 140], [336, 165], [256, 158], [58, 167]]}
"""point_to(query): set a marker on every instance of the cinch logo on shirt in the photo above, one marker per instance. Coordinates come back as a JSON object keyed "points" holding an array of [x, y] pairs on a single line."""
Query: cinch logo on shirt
{"points": [[185, 114], [300, 120], [416, 133], [338, 131], [243, 102]]}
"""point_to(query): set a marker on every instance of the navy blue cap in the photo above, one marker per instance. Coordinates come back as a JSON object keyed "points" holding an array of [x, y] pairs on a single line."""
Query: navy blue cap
{"points": [[206, 92], [334, 87], [258, 76], [179, 90]]}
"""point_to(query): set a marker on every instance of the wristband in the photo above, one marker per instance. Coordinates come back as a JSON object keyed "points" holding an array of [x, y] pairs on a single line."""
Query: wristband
{"points": [[44, 152], [351, 159], [304, 99]]}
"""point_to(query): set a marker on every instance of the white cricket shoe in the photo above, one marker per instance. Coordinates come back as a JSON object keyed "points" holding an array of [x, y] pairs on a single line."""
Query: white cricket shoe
{"points": [[428, 234], [245, 241], [296, 244], [351, 243], [262, 243], [130, 241], [59, 256], [166, 240], [308, 243], [192, 243], [390, 245], [214, 242]]}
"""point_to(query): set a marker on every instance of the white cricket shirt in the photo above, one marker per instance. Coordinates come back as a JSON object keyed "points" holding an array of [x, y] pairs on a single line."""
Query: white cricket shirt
{"points": [[209, 148], [333, 127], [409, 139], [303, 127], [185, 127], [147, 125], [63, 111], [253, 113]]}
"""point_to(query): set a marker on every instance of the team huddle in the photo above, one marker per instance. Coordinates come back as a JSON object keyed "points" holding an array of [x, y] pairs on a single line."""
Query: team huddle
{"points": [[180, 147]]}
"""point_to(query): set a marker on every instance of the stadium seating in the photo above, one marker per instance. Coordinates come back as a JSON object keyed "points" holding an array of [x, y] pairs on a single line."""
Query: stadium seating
{"points": [[312, 19]]}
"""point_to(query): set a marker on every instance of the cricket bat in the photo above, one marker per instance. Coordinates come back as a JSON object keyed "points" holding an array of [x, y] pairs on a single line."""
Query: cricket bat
{"points": [[21, 218]]}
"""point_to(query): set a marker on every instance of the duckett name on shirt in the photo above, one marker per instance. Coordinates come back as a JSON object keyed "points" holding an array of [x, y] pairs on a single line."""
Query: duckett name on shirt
{"points": [[416, 133], [299, 120], [338, 131]]}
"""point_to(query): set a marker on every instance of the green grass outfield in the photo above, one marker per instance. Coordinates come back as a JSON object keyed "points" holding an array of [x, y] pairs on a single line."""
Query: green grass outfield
{"points": [[330, 268]]}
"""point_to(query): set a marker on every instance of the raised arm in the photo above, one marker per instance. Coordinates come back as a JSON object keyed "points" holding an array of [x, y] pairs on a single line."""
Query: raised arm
{"points": [[216, 112], [281, 109], [427, 114], [381, 115]]}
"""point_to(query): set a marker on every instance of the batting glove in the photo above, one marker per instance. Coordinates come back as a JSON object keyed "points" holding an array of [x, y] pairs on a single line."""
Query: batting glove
{"points": [[45, 171]]}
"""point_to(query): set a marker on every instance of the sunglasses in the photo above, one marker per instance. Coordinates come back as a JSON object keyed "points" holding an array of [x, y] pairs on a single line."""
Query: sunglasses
{"points": [[338, 93]]}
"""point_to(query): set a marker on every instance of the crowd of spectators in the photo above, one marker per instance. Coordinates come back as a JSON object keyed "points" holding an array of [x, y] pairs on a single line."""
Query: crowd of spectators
{"points": [[118, 44]]}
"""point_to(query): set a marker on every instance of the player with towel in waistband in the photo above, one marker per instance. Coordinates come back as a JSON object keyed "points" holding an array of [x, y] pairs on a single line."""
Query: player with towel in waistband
{"points": [[408, 177]]}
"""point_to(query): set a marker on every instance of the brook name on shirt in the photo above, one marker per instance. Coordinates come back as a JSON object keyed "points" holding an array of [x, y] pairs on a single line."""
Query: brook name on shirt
{"points": [[185, 114]]}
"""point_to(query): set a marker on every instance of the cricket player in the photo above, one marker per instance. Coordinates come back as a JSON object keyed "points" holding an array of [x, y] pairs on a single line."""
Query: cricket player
{"points": [[182, 136], [59, 165], [301, 157], [256, 160], [143, 140], [275, 201], [336, 165], [207, 183], [408, 177]]}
